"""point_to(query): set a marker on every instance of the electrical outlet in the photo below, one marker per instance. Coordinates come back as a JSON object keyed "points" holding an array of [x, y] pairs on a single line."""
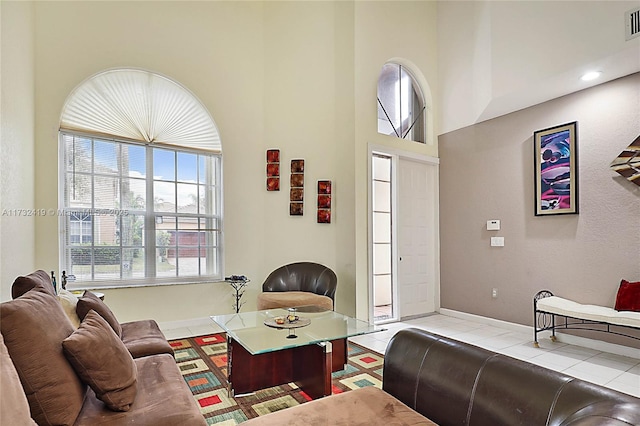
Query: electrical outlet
{"points": [[497, 241], [494, 293]]}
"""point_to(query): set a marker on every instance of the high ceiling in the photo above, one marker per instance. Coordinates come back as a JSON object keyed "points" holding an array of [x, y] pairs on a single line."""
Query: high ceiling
{"points": [[498, 57]]}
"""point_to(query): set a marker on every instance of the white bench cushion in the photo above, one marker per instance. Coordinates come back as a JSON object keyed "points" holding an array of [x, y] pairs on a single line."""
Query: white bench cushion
{"points": [[558, 305]]}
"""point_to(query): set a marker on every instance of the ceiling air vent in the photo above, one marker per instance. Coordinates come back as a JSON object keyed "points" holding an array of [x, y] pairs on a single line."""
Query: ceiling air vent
{"points": [[632, 26]]}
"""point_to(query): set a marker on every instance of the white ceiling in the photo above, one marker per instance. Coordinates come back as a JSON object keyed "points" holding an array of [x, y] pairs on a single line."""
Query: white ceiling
{"points": [[499, 57]]}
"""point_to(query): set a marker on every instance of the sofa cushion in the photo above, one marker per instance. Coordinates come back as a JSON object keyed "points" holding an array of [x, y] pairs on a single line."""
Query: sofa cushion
{"points": [[39, 279], [363, 406], [144, 338], [101, 360], [34, 326], [289, 299], [628, 297], [69, 303], [163, 399], [90, 301], [14, 408]]}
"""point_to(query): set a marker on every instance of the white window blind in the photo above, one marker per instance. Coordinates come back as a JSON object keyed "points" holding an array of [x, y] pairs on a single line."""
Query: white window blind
{"points": [[142, 106]]}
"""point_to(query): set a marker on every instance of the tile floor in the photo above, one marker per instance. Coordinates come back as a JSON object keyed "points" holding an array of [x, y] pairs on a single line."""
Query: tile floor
{"points": [[610, 370]]}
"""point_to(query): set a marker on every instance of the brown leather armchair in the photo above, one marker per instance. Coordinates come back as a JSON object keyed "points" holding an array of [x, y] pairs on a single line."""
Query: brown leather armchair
{"points": [[299, 284]]}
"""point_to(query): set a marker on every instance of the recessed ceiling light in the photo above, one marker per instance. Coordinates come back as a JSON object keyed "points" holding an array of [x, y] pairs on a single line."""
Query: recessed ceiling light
{"points": [[591, 75]]}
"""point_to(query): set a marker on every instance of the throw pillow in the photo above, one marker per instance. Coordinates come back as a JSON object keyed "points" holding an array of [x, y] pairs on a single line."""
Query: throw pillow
{"points": [[103, 362], [39, 279], [90, 301], [69, 302], [628, 297], [34, 326]]}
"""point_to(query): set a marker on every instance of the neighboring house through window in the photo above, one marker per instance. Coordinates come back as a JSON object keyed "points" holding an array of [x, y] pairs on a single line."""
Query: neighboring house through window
{"points": [[141, 183], [80, 227]]}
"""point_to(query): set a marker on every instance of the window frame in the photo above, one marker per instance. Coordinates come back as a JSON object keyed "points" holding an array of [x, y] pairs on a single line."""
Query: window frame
{"points": [[213, 181], [423, 115]]}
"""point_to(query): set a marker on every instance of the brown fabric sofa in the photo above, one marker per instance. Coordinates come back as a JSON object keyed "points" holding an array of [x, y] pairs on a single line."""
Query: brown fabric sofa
{"points": [[43, 358], [141, 338], [430, 379]]}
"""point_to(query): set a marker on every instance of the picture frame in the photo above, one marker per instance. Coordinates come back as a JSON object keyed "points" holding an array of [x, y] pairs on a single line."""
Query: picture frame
{"points": [[324, 201], [273, 170], [556, 170]]}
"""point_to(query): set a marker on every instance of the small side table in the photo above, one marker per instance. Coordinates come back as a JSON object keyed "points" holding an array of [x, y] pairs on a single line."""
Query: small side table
{"points": [[238, 282]]}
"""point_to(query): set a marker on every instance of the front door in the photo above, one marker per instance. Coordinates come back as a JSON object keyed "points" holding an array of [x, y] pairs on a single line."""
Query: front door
{"points": [[417, 240]]}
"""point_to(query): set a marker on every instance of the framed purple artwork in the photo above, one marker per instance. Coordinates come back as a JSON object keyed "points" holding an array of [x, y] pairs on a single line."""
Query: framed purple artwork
{"points": [[556, 170]]}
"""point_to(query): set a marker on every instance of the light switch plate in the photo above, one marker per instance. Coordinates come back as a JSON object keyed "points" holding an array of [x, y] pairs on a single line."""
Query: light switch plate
{"points": [[497, 241], [493, 225]]}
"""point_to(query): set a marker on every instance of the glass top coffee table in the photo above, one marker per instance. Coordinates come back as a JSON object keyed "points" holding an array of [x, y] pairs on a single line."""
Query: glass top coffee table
{"points": [[262, 353]]}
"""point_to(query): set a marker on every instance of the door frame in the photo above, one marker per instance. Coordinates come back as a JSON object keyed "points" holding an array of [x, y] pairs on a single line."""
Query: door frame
{"points": [[396, 155]]}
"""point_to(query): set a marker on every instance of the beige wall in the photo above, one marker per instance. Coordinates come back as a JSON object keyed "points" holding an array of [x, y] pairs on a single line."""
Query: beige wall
{"points": [[298, 76], [487, 173], [17, 239], [384, 31]]}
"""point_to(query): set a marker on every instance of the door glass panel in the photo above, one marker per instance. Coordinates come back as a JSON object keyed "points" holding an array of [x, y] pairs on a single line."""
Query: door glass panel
{"points": [[382, 252]]}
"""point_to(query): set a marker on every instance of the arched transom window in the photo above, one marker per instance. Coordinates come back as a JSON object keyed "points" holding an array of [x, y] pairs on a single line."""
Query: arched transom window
{"points": [[401, 104]]}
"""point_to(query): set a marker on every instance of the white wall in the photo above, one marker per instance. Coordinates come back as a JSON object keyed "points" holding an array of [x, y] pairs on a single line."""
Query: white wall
{"points": [[496, 57], [17, 238], [486, 172]]}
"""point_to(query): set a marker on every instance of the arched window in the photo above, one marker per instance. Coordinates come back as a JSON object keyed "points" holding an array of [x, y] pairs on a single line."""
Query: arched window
{"points": [[401, 104], [141, 185]]}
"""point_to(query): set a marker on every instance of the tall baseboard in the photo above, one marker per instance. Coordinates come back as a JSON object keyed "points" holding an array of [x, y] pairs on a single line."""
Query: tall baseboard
{"points": [[570, 339], [486, 320]]}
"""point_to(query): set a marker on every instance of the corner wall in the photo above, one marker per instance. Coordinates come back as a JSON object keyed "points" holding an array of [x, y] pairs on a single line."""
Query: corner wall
{"points": [[17, 223], [486, 172]]}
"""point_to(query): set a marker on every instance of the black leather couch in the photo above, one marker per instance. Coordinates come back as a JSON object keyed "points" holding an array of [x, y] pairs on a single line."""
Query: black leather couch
{"points": [[453, 383]]}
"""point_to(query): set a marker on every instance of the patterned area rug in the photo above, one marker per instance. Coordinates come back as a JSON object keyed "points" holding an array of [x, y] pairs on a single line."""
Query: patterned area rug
{"points": [[203, 363]]}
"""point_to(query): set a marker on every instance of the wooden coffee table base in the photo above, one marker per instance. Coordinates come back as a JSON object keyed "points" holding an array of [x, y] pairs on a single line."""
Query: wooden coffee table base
{"points": [[310, 366]]}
